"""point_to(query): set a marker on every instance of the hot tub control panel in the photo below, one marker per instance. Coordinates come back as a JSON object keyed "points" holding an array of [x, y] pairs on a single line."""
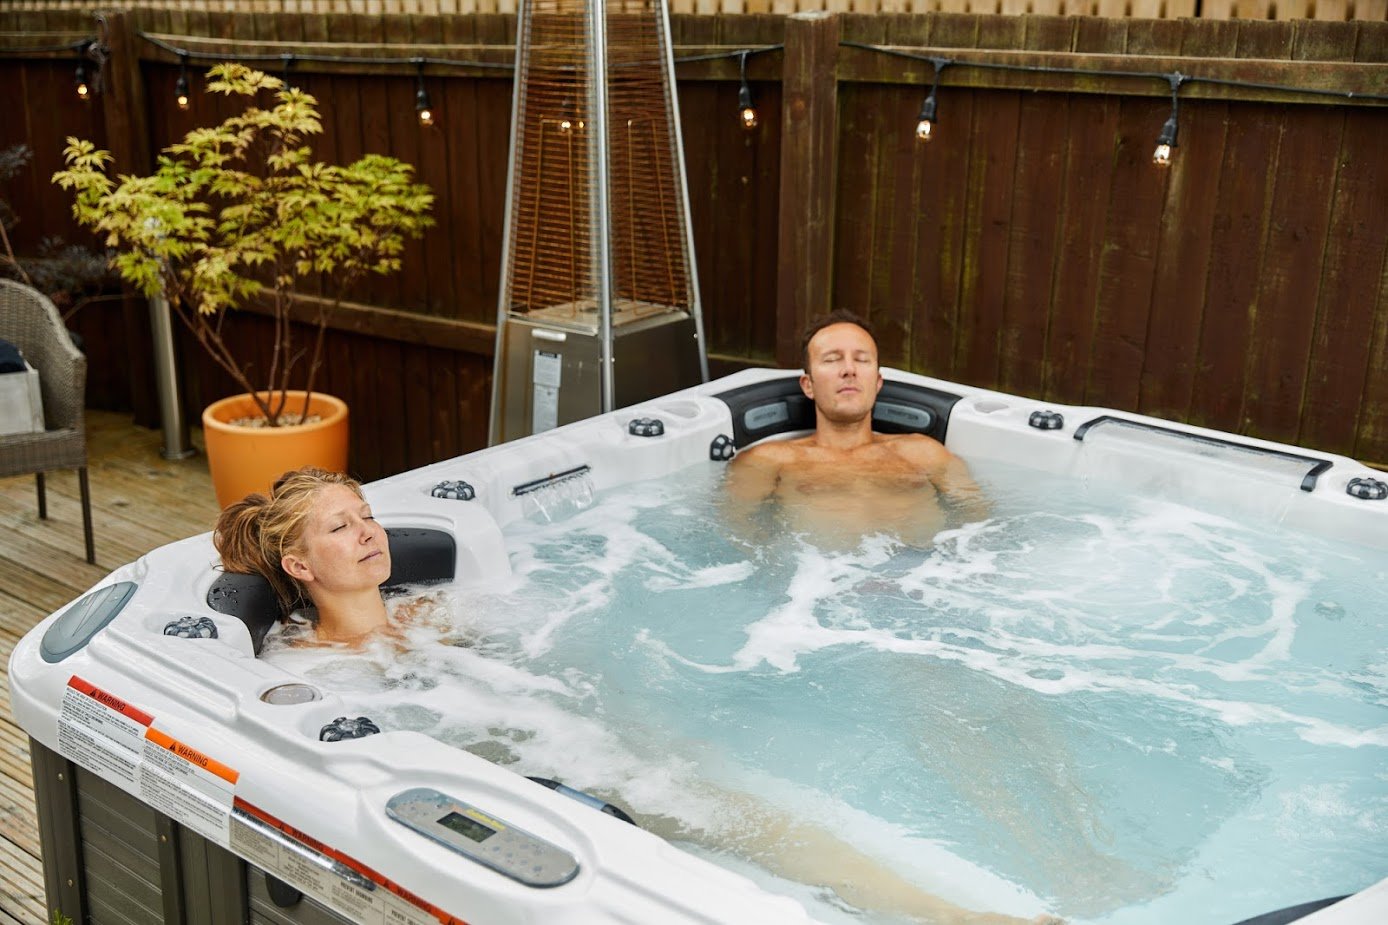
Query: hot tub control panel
{"points": [[482, 837]]}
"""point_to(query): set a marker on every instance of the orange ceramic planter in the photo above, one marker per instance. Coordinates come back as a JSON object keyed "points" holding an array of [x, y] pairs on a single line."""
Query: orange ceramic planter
{"points": [[248, 459]]}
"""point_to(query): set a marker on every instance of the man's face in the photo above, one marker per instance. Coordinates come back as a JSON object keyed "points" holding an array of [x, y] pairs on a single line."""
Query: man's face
{"points": [[843, 378]]}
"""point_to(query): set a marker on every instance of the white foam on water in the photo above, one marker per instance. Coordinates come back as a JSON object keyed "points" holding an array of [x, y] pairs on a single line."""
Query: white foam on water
{"points": [[1194, 629]]}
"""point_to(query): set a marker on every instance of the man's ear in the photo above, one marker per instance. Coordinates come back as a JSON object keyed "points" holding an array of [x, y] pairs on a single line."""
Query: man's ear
{"points": [[880, 383], [807, 386], [296, 567]]}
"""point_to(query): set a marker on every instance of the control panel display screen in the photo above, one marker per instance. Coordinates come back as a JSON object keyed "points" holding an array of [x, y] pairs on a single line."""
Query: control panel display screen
{"points": [[467, 827]]}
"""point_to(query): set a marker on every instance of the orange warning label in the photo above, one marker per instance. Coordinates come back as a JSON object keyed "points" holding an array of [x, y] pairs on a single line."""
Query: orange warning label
{"points": [[188, 753], [110, 701]]}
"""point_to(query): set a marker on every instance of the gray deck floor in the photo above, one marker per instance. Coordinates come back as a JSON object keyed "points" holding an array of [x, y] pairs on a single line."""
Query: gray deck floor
{"points": [[139, 501]]}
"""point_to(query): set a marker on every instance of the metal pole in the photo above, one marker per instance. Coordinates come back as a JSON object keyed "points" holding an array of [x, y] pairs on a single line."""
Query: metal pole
{"points": [[176, 445], [496, 427], [597, 10], [686, 226]]}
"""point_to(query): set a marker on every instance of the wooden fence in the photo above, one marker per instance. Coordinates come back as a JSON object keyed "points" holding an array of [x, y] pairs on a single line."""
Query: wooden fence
{"points": [[1329, 10], [1032, 246]]}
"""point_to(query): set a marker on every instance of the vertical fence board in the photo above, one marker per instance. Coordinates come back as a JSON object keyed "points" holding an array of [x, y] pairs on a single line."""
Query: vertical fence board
{"points": [[1371, 437], [940, 236], [1032, 245], [437, 251], [416, 401], [1187, 228], [1240, 231], [1183, 260], [407, 139], [895, 305], [1292, 267], [1357, 240], [474, 396], [984, 268], [1085, 186], [1128, 264], [809, 178], [760, 267], [854, 226], [442, 405]]}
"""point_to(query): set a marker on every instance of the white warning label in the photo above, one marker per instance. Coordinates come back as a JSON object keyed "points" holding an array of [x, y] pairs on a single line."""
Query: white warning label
{"points": [[102, 732], [188, 786]]}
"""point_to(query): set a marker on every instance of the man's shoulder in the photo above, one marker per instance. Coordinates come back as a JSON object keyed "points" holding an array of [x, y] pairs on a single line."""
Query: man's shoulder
{"points": [[772, 452], [917, 447]]}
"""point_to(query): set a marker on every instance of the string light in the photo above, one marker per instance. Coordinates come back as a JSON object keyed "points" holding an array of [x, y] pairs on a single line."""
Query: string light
{"points": [[84, 90], [1167, 139], [925, 122], [746, 111], [422, 107], [181, 88]]}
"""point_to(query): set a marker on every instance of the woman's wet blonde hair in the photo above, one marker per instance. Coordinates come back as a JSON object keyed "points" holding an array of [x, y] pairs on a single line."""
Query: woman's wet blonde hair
{"points": [[255, 533]]}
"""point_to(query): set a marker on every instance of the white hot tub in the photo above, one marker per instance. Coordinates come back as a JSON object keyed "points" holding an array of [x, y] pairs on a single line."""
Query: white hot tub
{"points": [[130, 689]]}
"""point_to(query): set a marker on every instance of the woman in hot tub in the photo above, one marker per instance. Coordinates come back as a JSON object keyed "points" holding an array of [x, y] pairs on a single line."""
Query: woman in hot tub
{"points": [[314, 539]]}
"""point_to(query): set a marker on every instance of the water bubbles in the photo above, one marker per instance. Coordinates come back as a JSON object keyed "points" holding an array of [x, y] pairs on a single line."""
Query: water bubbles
{"points": [[559, 500], [1330, 610]]}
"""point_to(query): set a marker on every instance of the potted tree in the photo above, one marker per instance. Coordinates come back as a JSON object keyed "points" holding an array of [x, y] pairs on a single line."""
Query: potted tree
{"points": [[242, 211]]}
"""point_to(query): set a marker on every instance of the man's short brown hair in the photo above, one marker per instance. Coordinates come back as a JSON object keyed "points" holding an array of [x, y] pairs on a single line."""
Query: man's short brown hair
{"points": [[837, 316]]}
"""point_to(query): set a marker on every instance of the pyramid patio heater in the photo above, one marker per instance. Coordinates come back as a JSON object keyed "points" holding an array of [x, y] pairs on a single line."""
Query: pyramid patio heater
{"points": [[599, 304]]}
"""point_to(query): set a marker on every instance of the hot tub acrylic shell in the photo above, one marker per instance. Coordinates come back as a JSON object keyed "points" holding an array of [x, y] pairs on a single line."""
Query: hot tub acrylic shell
{"points": [[179, 724]]}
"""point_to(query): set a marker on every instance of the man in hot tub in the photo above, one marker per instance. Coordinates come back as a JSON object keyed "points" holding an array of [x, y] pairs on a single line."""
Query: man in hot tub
{"points": [[845, 480]]}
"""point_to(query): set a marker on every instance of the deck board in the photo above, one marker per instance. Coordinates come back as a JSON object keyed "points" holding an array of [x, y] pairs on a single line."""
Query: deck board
{"points": [[140, 501]]}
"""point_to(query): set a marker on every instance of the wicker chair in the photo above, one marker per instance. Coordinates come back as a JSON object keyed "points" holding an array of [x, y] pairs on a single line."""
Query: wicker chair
{"points": [[29, 320]]}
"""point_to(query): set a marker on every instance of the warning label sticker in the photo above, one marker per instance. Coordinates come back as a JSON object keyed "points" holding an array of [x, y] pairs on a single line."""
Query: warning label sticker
{"points": [[187, 785], [102, 732], [328, 876]]}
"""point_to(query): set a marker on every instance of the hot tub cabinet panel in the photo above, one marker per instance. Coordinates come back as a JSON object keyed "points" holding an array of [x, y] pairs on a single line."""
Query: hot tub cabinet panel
{"points": [[110, 858], [167, 782]]}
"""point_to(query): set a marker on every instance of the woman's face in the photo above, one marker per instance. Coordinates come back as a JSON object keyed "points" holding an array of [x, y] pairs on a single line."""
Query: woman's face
{"points": [[342, 547]]}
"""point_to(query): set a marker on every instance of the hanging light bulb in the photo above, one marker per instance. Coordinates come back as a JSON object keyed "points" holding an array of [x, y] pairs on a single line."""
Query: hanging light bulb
{"points": [[84, 90], [422, 107], [747, 112], [1166, 140], [925, 122], [181, 88]]}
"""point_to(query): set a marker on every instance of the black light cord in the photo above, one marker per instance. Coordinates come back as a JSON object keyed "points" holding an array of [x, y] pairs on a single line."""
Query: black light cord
{"points": [[287, 60], [80, 45], [414, 61], [1102, 72]]}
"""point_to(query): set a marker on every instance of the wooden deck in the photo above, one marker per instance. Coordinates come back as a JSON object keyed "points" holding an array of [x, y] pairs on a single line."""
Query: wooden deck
{"points": [[139, 501]]}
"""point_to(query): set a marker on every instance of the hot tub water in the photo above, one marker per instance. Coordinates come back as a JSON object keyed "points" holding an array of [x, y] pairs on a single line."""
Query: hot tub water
{"points": [[1120, 709]]}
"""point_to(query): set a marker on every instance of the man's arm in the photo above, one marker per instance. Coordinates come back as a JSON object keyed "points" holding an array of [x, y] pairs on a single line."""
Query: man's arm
{"points": [[951, 477], [957, 485], [751, 480], [754, 474]]}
